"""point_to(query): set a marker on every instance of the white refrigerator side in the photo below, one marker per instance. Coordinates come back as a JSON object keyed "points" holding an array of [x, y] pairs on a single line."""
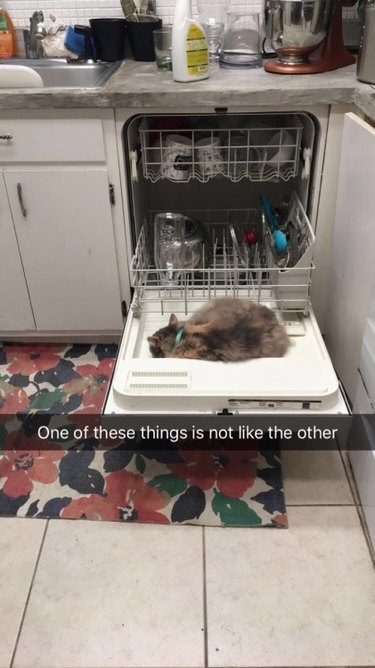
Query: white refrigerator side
{"points": [[362, 454], [353, 267], [362, 458]]}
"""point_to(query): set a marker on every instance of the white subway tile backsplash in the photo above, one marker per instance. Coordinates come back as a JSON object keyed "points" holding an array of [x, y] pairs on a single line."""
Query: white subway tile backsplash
{"points": [[79, 11]]}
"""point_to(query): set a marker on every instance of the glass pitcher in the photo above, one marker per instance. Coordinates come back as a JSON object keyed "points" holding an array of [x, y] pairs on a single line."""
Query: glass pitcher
{"points": [[241, 40]]}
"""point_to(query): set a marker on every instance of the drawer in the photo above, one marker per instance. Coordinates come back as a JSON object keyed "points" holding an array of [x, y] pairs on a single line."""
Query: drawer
{"points": [[51, 140]]}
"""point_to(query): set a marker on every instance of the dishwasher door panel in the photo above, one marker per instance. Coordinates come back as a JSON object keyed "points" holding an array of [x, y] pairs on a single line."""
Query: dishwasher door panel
{"points": [[303, 379]]}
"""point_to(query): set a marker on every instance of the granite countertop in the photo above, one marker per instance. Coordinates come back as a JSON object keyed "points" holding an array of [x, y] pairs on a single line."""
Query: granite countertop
{"points": [[137, 84]]}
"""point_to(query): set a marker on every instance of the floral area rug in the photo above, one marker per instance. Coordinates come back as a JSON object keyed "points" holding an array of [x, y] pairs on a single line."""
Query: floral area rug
{"points": [[57, 378], [129, 481]]}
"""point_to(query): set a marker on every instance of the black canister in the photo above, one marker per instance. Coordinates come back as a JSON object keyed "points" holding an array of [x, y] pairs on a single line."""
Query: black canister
{"points": [[109, 36], [141, 36]]}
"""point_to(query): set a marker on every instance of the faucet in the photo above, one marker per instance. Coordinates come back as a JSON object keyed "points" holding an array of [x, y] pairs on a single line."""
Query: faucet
{"points": [[33, 37]]}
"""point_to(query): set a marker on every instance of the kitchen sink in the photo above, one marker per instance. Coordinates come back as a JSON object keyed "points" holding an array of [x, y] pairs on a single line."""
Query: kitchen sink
{"points": [[57, 72]]}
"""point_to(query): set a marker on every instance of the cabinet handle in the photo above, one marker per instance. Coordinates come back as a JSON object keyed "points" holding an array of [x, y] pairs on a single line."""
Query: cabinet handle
{"points": [[6, 137], [111, 189], [20, 199]]}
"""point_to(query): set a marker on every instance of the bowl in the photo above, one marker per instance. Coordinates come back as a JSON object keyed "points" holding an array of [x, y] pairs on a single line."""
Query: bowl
{"points": [[297, 27], [280, 150]]}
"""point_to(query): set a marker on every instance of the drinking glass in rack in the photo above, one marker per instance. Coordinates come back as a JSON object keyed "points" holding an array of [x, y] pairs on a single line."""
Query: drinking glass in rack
{"points": [[212, 15], [169, 248]]}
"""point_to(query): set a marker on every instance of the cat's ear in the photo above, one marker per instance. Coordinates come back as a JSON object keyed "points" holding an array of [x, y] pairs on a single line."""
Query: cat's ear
{"points": [[154, 341], [173, 322]]}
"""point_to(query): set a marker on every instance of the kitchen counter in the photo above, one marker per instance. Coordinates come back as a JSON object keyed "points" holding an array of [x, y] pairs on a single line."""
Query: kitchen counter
{"points": [[138, 85]]}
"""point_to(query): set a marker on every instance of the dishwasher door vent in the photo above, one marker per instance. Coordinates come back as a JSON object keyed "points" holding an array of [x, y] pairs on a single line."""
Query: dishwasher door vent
{"points": [[158, 380]]}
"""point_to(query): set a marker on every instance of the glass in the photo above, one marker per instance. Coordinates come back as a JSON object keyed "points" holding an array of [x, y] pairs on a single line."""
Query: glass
{"points": [[163, 48], [209, 159], [169, 247], [140, 30], [241, 41], [212, 15]]}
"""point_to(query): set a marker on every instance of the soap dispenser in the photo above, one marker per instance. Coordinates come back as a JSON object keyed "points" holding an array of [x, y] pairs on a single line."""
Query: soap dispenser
{"points": [[7, 35], [189, 45]]}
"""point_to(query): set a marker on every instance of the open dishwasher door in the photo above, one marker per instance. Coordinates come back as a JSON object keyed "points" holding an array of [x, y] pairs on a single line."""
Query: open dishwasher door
{"points": [[303, 379]]}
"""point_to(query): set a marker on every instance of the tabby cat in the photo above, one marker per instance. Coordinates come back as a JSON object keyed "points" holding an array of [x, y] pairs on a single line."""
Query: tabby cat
{"points": [[226, 330]]}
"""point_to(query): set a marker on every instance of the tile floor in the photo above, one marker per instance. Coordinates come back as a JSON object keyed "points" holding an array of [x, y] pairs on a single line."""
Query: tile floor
{"points": [[78, 594]]}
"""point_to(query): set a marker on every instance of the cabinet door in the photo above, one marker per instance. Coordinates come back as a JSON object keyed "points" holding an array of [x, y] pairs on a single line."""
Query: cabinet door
{"points": [[15, 309], [64, 227], [353, 265]]}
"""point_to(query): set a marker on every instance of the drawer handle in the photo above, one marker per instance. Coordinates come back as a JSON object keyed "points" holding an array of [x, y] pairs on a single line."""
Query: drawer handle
{"points": [[20, 199], [6, 137]]}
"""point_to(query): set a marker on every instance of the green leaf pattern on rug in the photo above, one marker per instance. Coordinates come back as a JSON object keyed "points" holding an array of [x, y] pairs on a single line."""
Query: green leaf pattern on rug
{"points": [[169, 483], [140, 464], [45, 400], [234, 512], [70, 428]]}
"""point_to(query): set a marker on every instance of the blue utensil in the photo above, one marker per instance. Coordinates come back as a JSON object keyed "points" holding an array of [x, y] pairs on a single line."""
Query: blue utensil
{"points": [[279, 238]]}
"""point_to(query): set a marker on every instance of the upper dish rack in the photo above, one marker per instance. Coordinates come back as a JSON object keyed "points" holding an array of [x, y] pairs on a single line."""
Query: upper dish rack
{"points": [[256, 151], [234, 268]]}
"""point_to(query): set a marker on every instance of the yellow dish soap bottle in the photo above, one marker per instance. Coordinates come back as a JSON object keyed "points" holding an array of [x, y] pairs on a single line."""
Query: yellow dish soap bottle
{"points": [[7, 35], [189, 45]]}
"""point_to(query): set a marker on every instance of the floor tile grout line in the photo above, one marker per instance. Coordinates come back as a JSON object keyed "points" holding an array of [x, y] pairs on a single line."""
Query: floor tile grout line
{"points": [[28, 595], [366, 534], [205, 619], [320, 505], [357, 500], [244, 666], [350, 478]]}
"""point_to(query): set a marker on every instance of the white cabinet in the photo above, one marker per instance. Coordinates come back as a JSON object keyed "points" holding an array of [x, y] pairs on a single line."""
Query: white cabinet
{"points": [[34, 140], [62, 229], [15, 308], [352, 261], [62, 220]]}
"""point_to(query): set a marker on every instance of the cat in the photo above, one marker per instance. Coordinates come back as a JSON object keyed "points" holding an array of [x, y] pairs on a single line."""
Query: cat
{"points": [[226, 330]]}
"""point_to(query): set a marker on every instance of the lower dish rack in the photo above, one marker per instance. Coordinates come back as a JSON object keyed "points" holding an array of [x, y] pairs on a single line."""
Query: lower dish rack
{"points": [[234, 268]]}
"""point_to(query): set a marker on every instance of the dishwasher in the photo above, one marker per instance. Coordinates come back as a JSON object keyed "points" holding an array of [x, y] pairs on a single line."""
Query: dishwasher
{"points": [[220, 169]]}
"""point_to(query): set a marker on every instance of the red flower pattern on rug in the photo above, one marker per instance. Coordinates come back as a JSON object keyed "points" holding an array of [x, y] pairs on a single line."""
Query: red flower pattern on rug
{"points": [[22, 468], [91, 386], [29, 359], [231, 473], [127, 497]]}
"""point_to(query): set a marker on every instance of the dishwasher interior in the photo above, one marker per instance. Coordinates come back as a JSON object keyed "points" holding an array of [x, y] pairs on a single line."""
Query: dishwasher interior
{"points": [[225, 172]]}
